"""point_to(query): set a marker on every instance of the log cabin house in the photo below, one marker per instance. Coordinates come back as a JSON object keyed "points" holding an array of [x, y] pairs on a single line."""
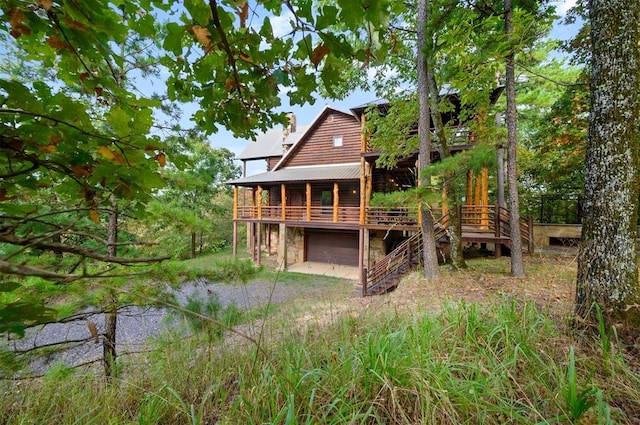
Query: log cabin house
{"points": [[313, 202]]}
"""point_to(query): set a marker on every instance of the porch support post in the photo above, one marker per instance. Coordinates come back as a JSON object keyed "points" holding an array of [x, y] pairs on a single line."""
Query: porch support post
{"points": [[363, 171], [259, 245], [235, 202], [235, 239], [282, 245], [363, 278], [368, 186], [235, 223], [259, 202], [484, 197], [363, 189], [283, 202], [476, 198], [308, 201], [336, 201], [267, 239], [252, 239]]}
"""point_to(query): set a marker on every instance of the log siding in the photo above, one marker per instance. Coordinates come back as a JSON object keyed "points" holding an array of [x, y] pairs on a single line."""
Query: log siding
{"points": [[318, 149]]}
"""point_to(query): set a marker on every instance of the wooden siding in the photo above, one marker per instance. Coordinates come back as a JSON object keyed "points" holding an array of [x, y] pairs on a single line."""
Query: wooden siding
{"points": [[317, 148], [272, 161]]}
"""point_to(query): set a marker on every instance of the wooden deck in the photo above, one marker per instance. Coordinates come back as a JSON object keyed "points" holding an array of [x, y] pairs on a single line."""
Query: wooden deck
{"points": [[480, 223]]}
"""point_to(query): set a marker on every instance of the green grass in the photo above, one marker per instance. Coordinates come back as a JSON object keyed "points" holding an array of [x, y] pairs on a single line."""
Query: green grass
{"points": [[504, 363]]}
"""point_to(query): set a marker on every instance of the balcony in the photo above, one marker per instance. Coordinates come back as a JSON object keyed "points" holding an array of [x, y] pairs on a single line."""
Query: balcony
{"points": [[300, 214]]}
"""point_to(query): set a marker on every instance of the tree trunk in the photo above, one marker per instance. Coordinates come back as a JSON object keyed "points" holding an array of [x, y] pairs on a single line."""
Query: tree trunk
{"points": [[517, 265], [454, 229], [193, 245], [607, 262], [500, 168], [429, 250], [111, 316]]}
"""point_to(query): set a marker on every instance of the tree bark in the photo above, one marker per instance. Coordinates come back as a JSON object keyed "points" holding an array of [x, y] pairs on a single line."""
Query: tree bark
{"points": [[607, 262], [517, 265], [429, 243], [454, 230], [111, 315]]}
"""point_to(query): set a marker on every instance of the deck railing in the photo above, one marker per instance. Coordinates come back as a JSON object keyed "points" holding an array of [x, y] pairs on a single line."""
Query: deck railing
{"points": [[325, 214], [391, 216]]}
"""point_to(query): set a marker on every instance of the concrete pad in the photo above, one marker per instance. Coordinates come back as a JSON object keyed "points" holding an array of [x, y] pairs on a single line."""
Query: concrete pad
{"points": [[326, 269]]}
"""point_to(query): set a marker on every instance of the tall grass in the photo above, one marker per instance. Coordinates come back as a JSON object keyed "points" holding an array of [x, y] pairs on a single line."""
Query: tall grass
{"points": [[506, 363]]}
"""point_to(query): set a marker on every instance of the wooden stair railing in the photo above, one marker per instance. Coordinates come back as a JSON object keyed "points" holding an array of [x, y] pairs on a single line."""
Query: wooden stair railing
{"points": [[385, 273], [494, 222]]}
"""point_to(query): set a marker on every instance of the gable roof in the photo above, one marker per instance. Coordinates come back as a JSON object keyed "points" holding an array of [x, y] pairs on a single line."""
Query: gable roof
{"points": [[269, 144], [304, 137]]}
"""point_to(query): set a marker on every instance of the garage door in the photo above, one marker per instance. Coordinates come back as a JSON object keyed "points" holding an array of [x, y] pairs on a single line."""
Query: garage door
{"points": [[332, 247]]}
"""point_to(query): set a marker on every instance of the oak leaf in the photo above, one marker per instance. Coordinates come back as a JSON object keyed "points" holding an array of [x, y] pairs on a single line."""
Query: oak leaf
{"points": [[82, 170], [46, 4], [202, 34], [16, 18], [110, 155], [57, 43], [94, 215], [319, 53], [3, 195], [161, 158], [230, 84], [75, 24], [50, 148]]}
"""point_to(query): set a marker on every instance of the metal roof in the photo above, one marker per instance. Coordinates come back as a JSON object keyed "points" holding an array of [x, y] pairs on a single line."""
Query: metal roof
{"points": [[269, 144], [303, 174]]}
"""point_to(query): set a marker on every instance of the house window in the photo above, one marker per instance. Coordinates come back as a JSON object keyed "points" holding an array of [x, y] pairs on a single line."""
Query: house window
{"points": [[337, 141]]}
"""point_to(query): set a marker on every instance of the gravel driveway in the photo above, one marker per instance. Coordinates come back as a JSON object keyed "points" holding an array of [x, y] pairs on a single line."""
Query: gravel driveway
{"points": [[136, 324]]}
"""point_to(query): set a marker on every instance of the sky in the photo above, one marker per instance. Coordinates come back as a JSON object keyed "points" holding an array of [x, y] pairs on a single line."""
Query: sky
{"points": [[305, 114]]}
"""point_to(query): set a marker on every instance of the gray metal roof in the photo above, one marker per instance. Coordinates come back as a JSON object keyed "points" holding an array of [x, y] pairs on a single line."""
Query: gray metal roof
{"points": [[303, 174], [269, 144]]}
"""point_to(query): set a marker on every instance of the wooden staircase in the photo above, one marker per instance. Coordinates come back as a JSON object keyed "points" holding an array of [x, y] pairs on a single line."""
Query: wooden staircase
{"points": [[480, 224], [386, 273]]}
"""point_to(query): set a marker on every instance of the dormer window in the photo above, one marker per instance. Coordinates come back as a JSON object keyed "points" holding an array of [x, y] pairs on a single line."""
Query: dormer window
{"points": [[337, 141]]}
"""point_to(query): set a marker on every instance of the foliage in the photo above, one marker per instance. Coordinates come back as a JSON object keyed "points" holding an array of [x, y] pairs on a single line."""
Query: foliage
{"points": [[553, 126], [507, 362], [194, 210], [210, 307], [77, 132]]}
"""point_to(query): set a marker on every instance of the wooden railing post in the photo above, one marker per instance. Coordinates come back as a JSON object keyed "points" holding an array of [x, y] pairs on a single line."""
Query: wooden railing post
{"points": [[363, 279], [259, 202]]}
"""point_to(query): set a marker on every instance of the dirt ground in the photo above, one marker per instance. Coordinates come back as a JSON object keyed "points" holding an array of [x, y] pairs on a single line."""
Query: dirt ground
{"points": [[549, 283]]}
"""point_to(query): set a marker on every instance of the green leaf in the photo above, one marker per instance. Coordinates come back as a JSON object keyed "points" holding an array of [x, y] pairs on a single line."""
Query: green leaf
{"points": [[199, 11], [8, 286], [119, 120]]}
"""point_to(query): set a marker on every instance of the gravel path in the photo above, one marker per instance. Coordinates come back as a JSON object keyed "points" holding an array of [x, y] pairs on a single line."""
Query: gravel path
{"points": [[137, 324]]}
